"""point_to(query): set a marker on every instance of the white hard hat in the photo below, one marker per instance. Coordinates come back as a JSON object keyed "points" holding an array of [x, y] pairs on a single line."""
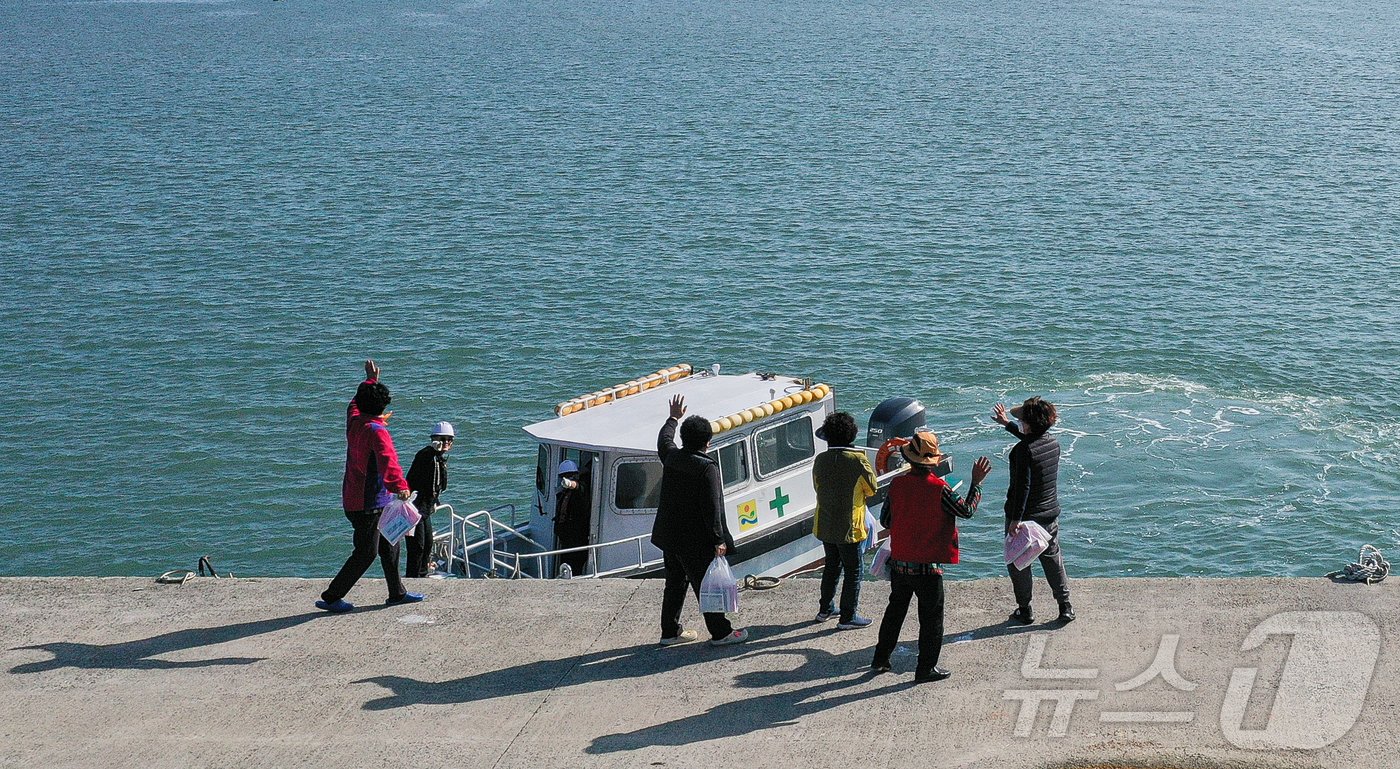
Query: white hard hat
{"points": [[444, 428], [567, 466]]}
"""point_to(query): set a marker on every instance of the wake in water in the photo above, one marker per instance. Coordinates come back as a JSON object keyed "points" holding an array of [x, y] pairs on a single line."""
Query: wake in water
{"points": [[1164, 476]]}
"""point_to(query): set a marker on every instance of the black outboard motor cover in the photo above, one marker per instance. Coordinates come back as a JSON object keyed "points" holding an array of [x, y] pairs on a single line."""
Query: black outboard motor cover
{"points": [[894, 418], [898, 418]]}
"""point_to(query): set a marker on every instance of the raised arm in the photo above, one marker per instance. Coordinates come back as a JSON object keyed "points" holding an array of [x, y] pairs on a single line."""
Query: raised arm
{"points": [[965, 507], [353, 410], [999, 414], [666, 439]]}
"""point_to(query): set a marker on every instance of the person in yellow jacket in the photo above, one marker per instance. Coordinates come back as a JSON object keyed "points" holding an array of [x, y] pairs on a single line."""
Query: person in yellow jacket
{"points": [[843, 479]]}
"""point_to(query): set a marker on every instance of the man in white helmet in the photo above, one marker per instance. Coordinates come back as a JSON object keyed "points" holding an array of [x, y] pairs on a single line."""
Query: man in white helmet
{"points": [[573, 504], [427, 476]]}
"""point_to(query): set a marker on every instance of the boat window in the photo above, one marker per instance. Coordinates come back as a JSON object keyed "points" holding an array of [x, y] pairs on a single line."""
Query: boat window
{"points": [[638, 485], [541, 468], [733, 463], [784, 445]]}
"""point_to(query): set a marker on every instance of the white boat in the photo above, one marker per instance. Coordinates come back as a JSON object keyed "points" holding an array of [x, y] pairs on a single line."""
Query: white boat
{"points": [[765, 441]]}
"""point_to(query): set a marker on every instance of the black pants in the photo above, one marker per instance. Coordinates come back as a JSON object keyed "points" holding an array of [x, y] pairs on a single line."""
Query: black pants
{"points": [[841, 559], [420, 549], [1054, 565], [687, 570], [368, 544], [929, 589], [572, 534]]}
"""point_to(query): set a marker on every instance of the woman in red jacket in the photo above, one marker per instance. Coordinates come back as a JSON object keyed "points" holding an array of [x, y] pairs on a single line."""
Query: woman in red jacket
{"points": [[920, 512]]}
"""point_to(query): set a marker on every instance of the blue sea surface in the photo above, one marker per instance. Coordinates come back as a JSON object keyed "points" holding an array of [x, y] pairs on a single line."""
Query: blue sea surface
{"points": [[1180, 221]]}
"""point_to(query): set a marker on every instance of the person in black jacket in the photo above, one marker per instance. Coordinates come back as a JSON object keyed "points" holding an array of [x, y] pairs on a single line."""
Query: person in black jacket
{"points": [[1032, 496], [428, 477], [573, 514], [690, 528]]}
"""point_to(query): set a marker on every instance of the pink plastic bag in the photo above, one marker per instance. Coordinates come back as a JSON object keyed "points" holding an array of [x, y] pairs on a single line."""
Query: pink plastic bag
{"points": [[1026, 543], [880, 567], [398, 519]]}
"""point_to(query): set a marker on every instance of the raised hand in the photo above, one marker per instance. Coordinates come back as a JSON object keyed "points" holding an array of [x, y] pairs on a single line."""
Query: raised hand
{"points": [[999, 414], [677, 407], [981, 469], [371, 370]]}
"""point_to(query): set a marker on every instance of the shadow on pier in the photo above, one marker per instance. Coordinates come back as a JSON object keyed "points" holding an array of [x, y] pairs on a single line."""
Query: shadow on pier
{"points": [[144, 654]]}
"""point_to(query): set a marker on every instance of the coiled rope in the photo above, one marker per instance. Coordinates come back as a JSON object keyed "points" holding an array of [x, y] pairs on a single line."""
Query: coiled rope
{"points": [[181, 576], [1370, 567], [760, 583]]}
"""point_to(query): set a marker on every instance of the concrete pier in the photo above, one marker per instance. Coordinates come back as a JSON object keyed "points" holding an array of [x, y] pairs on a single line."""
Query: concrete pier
{"points": [[246, 673]]}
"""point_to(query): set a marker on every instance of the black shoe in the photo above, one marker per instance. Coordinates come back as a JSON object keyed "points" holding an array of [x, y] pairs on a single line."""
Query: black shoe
{"points": [[1066, 612], [1023, 615], [880, 665], [928, 676]]}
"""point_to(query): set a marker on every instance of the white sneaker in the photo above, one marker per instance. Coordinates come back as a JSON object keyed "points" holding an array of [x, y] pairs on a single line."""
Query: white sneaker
{"points": [[737, 637], [686, 636]]}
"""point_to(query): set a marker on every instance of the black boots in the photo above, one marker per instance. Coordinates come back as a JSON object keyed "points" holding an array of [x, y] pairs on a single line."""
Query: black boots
{"points": [[1023, 615], [1066, 612]]}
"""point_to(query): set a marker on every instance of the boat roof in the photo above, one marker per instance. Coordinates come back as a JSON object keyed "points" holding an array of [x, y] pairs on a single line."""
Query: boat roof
{"points": [[631, 423]]}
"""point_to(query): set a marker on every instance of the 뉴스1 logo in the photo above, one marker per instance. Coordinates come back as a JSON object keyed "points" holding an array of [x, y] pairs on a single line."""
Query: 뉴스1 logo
{"points": [[1323, 688]]}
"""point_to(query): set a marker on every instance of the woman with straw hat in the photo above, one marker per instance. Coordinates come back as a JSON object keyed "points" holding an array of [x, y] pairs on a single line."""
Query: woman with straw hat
{"points": [[921, 512]]}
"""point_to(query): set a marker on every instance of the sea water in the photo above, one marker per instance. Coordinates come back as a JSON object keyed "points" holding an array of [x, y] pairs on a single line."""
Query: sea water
{"points": [[1176, 220]]}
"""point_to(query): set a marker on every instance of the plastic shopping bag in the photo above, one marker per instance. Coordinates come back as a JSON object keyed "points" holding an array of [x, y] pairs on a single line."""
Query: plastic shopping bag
{"points": [[880, 567], [398, 519], [719, 592], [1026, 543], [871, 525]]}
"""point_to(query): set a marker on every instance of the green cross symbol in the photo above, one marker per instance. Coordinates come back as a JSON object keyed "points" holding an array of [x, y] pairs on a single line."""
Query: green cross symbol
{"points": [[780, 501]]}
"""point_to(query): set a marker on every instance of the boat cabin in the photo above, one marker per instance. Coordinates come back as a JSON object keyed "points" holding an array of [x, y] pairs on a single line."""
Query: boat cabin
{"points": [[764, 440]]}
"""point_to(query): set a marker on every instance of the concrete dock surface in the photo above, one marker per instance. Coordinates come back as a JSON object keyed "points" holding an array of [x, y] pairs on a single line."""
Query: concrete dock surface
{"points": [[487, 673]]}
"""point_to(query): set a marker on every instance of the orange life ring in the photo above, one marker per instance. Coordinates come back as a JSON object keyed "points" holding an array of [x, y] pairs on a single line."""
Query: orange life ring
{"points": [[882, 457]]}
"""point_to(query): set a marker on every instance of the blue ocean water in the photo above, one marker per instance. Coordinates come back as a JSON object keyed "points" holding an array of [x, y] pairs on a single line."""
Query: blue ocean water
{"points": [[1178, 220]]}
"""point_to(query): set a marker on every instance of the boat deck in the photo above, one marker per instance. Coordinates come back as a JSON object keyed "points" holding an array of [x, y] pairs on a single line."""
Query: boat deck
{"points": [[491, 673]]}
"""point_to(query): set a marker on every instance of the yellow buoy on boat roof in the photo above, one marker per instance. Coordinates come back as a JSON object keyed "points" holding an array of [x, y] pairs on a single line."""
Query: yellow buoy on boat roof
{"points": [[631, 387]]}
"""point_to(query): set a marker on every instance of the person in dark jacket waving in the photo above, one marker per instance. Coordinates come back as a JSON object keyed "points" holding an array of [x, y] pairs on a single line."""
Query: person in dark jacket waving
{"points": [[1032, 495], [690, 528]]}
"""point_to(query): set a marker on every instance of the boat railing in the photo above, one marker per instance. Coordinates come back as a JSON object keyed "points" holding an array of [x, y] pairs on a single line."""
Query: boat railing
{"points": [[474, 545]]}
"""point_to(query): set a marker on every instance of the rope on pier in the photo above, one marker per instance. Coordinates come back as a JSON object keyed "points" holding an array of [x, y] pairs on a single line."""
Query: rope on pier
{"points": [[1370, 567], [760, 583], [181, 576], [175, 577]]}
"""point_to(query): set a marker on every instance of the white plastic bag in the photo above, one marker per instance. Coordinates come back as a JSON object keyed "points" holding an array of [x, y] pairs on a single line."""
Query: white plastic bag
{"points": [[871, 525], [719, 592], [398, 519], [880, 567], [1026, 543]]}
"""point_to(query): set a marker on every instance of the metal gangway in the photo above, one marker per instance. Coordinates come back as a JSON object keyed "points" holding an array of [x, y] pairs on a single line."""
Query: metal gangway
{"points": [[488, 543]]}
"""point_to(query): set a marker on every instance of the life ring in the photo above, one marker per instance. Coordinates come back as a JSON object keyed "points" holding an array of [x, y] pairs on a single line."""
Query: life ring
{"points": [[882, 457]]}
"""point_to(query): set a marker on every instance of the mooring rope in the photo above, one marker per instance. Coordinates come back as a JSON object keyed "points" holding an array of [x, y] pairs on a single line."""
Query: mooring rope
{"points": [[1370, 567], [760, 583], [181, 576]]}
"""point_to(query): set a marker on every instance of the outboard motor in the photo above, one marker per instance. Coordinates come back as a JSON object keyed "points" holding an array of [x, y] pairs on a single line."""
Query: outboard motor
{"points": [[894, 418], [898, 418]]}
